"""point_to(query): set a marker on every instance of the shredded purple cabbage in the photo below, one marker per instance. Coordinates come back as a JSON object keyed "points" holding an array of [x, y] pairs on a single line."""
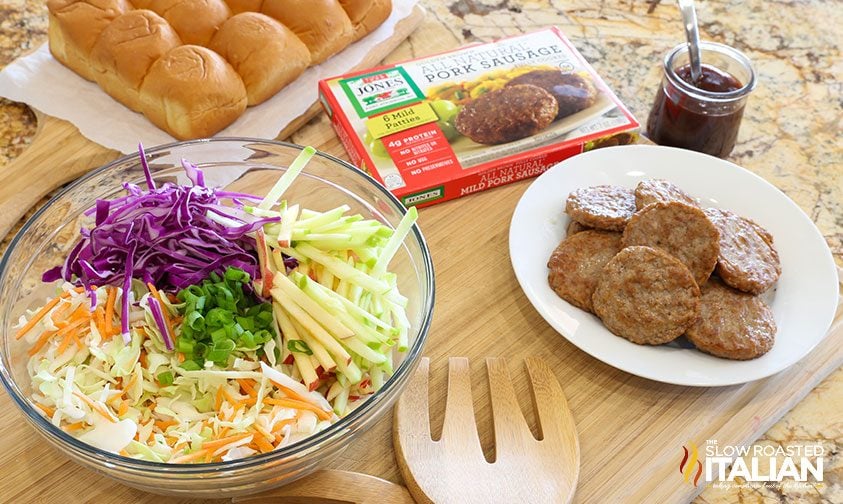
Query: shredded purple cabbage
{"points": [[171, 236], [92, 293], [158, 315]]}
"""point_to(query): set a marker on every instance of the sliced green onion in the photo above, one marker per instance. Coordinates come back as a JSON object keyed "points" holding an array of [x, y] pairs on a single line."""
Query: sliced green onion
{"points": [[165, 378], [299, 346]]}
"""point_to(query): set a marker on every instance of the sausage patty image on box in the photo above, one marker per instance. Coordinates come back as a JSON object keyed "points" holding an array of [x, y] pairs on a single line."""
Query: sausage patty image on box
{"points": [[448, 125]]}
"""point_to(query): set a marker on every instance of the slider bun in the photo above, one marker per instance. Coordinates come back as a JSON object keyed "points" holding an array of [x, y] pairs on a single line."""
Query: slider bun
{"points": [[126, 50], [266, 54], [238, 6], [366, 15], [322, 25], [196, 21], [192, 92], [75, 26]]}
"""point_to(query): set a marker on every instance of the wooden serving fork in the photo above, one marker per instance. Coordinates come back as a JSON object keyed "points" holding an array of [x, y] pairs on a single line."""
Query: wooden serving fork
{"points": [[454, 469]]}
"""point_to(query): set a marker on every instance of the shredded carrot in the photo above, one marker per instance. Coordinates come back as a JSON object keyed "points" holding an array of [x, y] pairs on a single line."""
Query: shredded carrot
{"points": [[229, 397], [43, 311], [74, 426], [293, 403], [249, 401], [245, 385], [65, 332], [263, 432], [124, 453], [283, 423], [74, 325], [77, 340], [123, 409], [209, 457], [190, 457], [109, 312], [64, 344], [46, 409], [142, 358], [99, 321], [42, 340], [36, 318], [59, 312], [263, 445], [219, 443], [223, 432], [81, 312], [94, 406], [181, 357], [165, 424], [289, 392]]}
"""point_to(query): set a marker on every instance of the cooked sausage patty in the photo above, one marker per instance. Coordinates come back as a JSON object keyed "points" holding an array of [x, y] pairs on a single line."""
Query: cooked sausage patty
{"points": [[732, 324], [653, 190], [748, 260], [573, 92], [575, 227], [646, 296], [680, 230], [601, 207], [576, 264], [507, 114]]}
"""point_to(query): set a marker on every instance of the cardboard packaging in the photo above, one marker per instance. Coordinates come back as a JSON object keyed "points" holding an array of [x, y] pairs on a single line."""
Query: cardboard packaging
{"points": [[445, 126]]}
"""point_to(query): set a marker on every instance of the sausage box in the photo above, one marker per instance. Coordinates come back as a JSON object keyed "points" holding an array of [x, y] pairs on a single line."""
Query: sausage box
{"points": [[445, 126]]}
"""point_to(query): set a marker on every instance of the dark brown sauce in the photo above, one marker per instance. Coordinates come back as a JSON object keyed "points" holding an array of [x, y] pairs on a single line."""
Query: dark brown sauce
{"points": [[712, 79], [673, 123]]}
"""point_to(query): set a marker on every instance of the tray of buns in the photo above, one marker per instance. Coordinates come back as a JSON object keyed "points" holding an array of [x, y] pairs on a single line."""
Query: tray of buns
{"points": [[160, 70]]}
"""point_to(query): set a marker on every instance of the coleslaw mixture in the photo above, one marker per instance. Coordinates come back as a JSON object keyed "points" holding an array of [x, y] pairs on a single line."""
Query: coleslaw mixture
{"points": [[186, 330]]}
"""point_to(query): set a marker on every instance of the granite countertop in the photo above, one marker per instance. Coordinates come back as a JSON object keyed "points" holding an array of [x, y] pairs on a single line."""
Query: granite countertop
{"points": [[790, 133]]}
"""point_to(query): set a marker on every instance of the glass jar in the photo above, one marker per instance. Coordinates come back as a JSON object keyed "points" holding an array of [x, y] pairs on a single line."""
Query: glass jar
{"points": [[703, 117]]}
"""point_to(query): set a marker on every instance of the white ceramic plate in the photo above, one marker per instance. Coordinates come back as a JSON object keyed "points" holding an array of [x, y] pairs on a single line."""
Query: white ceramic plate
{"points": [[804, 300]]}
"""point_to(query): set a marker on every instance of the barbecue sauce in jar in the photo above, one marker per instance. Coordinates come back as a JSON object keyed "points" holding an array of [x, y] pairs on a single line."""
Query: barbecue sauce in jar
{"points": [[704, 116]]}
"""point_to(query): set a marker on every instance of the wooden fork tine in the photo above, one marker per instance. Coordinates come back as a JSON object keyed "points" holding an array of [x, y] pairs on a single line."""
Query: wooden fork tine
{"points": [[460, 426], [412, 413], [511, 429], [552, 410]]}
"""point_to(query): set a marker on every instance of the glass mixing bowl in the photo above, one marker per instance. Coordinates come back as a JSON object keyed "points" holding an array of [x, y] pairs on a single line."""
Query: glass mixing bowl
{"points": [[237, 164]]}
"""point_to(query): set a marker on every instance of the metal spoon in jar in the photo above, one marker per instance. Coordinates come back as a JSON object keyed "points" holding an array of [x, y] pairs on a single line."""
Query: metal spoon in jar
{"points": [[692, 33]]}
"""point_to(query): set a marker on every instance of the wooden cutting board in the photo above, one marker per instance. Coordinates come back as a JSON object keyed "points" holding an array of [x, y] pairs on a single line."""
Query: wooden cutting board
{"points": [[59, 153], [631, 429]]}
